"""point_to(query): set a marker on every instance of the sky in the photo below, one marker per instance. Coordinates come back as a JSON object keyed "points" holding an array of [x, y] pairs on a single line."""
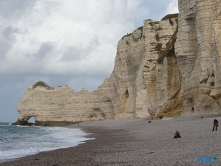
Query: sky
{"points": [[68, 42]]}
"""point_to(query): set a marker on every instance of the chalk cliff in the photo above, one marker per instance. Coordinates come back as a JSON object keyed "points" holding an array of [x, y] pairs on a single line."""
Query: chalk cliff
{"points": [[198, 51], [161, 69]]}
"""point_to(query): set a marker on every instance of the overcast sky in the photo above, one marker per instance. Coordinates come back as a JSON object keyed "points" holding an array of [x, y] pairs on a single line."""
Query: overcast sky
{"points": [[68, 42]]}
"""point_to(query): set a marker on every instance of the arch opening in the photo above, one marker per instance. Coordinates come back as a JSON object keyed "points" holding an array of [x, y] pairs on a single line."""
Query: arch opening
{"points": [[31, 121]]}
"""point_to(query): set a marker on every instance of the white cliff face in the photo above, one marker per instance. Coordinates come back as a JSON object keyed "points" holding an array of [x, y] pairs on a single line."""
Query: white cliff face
{"points": [[161, 69], [145, 83], [52, 105], [146, 80], [198, 54]]}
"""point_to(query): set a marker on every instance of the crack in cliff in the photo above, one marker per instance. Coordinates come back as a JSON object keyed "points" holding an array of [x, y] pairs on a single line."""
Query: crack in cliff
{"points": [[169, 51]]}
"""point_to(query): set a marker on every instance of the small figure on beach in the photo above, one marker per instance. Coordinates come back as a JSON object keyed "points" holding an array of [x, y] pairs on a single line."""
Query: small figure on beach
{"points": [[177, 135], [192, 109], [215, 124]]}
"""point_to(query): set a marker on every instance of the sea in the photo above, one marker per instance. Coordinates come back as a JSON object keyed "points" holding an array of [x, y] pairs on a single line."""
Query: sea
{"points": [[19, 141]]}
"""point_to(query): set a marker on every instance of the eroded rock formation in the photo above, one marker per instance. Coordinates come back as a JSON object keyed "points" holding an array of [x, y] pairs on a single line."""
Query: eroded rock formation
{"points": [[161, 69], [198, 54]]}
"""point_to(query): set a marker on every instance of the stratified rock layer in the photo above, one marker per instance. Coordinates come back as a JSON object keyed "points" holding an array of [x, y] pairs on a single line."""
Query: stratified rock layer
{"points": [[161, 69], [198, 49]]}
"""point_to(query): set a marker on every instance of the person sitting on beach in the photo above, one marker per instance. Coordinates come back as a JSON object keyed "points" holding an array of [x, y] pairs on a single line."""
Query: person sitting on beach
{"points": [[215, 124], [177, 135]]}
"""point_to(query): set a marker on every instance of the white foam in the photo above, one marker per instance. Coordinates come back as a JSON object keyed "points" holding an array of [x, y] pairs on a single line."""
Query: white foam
{"points": [[43, 139]]}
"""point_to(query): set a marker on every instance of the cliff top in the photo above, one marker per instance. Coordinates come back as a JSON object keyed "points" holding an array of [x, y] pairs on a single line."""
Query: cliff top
{"points": [[42, 84], [169, 16]]}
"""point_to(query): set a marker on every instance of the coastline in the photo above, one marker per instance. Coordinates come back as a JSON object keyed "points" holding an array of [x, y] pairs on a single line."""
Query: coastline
{"points": [[137, 142]]}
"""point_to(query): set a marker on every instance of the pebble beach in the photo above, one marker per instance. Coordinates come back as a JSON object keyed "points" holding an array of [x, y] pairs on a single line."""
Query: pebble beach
{"points": [[138, 142]]}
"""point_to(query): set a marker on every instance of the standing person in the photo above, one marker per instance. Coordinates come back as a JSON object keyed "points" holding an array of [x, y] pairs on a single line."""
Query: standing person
{"points": [[215, 124], [192, 109]]}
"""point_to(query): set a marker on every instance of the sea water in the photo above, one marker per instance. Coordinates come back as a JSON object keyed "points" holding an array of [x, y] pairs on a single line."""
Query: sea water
{"points": [[19, 141]]}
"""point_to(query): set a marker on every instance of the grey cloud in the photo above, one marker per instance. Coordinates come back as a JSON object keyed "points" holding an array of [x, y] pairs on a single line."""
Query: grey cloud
{"points": [[4, 48], [37, 60], [7, 41], [76, 53], [90, 83], [44, 50], [15, 8], [8, 31]]}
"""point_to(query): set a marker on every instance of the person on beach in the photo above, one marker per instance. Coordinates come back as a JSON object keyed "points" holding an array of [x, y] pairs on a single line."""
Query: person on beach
{"points": [[215, 124], [177, 135], [192, 109]]}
